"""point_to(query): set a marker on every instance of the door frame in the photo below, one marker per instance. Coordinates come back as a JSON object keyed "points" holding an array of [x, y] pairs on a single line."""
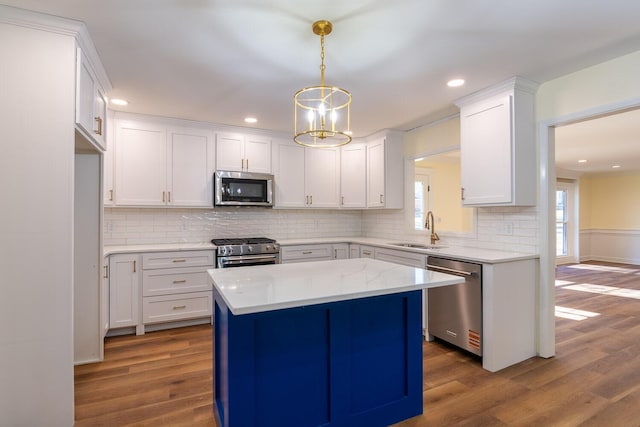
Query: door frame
{"points": [[547, 176]]}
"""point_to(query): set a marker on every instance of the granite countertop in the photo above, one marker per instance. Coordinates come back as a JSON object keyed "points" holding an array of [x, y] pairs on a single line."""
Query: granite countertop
{"points": [[273, 287]]}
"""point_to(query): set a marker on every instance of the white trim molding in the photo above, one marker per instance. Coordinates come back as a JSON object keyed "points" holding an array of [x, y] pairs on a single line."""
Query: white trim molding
{"points": [[621, 246]]}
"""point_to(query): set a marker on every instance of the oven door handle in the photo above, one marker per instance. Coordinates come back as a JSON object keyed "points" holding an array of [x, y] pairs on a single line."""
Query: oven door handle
{"points": [[246, 259]]}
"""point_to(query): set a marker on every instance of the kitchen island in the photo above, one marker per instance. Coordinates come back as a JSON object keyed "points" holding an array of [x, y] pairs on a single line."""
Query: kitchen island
{"points": [[331, 343]]}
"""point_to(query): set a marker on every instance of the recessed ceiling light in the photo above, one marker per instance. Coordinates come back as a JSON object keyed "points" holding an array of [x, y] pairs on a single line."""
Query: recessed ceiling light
{"points": [[582, 161], [250, 120], [455, 82], [615, 166], [117, 101]]}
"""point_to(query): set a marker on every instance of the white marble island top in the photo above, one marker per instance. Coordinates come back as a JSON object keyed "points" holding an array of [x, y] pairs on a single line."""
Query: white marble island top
{"points": [[273, 287]]}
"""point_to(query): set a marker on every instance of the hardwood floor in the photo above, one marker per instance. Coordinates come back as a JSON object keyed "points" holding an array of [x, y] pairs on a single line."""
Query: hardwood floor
{"points": [[164, 378]]}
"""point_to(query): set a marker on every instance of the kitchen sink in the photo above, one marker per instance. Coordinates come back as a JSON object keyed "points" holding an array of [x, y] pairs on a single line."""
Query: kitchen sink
{"points": [[418, 245]]}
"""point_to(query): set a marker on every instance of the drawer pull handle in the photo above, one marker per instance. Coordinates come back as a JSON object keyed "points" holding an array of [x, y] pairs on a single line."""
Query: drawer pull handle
{"points": [[180, 281], [180, 260], [179, 307], [307, 252], [98, 121]]}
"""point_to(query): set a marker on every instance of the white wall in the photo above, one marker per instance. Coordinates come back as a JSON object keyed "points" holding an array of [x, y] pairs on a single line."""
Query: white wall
{"points": [[37, 75]]}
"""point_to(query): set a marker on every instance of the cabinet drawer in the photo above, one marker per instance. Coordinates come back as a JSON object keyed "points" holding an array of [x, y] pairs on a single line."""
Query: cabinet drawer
{"points": [[306, 253], [168, 308], [402, 257], [167, 281], [367, 252], [177, 259]]}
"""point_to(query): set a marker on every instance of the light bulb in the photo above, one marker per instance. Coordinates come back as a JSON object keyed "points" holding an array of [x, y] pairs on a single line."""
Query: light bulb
{"points": [[321, 109]]}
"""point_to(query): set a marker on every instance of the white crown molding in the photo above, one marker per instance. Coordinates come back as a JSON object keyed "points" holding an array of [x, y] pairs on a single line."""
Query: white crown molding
{"points": [[509, 85]]}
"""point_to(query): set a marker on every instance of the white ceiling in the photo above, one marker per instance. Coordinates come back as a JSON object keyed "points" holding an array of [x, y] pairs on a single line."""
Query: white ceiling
{"points": [[604, 142], [222, 60]]}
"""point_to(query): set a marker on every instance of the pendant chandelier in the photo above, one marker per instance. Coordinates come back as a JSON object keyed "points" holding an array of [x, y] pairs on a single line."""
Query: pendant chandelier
{"points": [[322, 113]]}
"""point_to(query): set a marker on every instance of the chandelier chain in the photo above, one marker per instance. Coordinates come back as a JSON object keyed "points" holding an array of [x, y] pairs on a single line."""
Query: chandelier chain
{"points": [[322, 59]]}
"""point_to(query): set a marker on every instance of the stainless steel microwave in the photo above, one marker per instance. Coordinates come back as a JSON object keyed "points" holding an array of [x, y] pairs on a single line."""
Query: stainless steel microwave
{"points": [[243, 189]]}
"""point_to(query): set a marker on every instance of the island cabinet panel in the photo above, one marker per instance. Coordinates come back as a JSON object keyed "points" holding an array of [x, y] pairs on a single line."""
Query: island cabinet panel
{"points": [[347, 363]]}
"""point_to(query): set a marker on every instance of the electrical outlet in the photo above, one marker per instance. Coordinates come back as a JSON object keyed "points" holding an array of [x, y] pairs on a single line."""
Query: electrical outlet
{"points": [[109, 227], [504, 228]]}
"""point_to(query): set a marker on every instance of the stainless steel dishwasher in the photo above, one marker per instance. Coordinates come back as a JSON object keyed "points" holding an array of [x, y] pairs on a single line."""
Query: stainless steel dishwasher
{"points": [[455, 312]]}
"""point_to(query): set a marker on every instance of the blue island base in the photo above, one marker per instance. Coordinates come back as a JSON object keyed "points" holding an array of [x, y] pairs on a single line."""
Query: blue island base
{"points": [[349, 363]]}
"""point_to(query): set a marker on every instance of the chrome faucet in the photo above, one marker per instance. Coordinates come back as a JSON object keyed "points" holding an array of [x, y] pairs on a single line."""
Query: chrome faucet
{"points": [[434, 235]]}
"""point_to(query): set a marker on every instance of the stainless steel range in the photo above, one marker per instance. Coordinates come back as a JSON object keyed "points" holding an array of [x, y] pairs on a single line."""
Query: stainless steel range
{"points": [[243, 252]]}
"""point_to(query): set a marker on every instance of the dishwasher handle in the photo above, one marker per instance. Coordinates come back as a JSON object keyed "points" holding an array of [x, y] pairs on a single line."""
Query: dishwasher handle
{"points": [[448, 270]]}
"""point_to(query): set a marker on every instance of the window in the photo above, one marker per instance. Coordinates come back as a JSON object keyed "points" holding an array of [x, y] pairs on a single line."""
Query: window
{"points": [[561, 222], [566, 222]]}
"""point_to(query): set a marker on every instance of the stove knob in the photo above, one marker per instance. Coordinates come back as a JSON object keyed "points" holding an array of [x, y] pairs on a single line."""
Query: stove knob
{"points": [[268, 247], [250, 248]]}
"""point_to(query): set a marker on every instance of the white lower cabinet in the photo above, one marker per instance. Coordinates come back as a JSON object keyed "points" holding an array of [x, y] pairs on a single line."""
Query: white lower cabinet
{"points": [[341, 251], [354, 250], [156, 287], [367, 251], [124, 290], [320, 252], [168, 308], [401, 257]]}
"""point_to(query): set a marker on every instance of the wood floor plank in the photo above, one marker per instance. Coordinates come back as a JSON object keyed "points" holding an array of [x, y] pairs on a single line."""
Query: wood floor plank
{"points": [[164, 378]]}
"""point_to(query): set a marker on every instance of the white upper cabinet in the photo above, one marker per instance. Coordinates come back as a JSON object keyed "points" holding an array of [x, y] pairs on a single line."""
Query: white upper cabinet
{"points": [[497, 145], [385, 171], [306, 177], [108, 163], [288, 168], [322, 177], [353, 177], [141, 164], [158, 165], [243, 153], [190, 174], [91, 103]]}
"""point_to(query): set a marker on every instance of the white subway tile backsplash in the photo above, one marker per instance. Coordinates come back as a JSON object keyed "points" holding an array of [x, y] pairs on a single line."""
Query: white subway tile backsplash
{"points": [[129, 226]]}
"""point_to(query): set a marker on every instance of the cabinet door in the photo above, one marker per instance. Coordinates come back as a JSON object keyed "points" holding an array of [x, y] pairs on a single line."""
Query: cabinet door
{"points": [[190, 169], [375, 174], [341, 251], [124, 284], [485, 152], [353, 179], [229, 152], [100, 115], [322, 177], [354, 250], [107, 168], [288, 162], [90, 101], [141, 165], [257, 154]]}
